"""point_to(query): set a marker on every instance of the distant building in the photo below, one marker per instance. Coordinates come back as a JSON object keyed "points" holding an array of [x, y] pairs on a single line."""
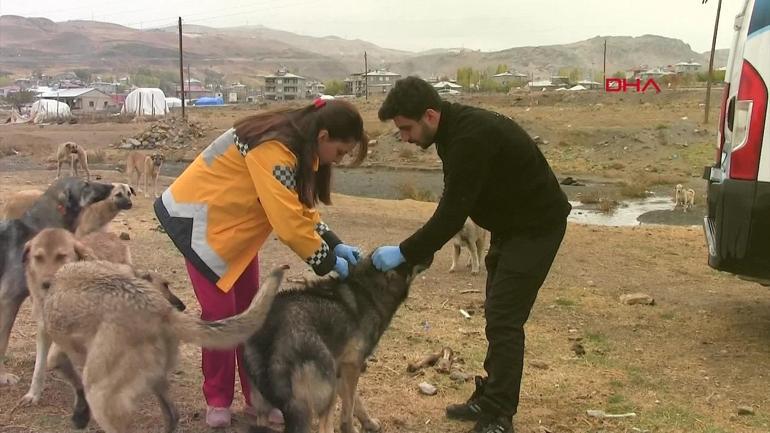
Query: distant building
{"points": [[379, 81], [84, 100], [509, 78], [687, 67], [590, 85], [193, 89], [108, 88], [541, 85], [315, 88], [283, 85]]}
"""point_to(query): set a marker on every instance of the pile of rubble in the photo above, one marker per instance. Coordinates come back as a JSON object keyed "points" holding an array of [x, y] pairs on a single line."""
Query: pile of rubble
{"points": [[171, 133]]}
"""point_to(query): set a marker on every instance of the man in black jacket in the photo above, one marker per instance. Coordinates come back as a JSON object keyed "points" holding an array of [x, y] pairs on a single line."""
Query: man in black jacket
{"points": [[494, 173]]}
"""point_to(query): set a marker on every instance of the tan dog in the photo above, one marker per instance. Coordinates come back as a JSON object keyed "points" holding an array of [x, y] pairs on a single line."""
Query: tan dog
{"points": [[689, 199], [97, 216], [474, 238], [76, 155], [18, 203], [125, 335], [143, 166], [43, 256], [679, 196], [108, 246]]}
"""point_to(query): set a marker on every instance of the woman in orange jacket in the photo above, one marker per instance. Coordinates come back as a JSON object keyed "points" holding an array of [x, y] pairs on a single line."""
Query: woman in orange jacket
{"points": [[265, 174]]}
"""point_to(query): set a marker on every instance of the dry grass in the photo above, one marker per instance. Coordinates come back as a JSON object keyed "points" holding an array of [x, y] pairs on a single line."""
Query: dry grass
{"points": [[634, 190], [97, 156], [607, 205], [408, 190]]}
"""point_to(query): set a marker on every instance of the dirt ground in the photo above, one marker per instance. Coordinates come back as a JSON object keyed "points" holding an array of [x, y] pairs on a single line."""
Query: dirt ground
{"points": [[684, 364]]}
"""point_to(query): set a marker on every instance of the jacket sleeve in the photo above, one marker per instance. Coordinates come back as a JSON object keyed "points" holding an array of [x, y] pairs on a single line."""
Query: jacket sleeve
{"points": [[323, 229], [468, 162], [272, 169]]}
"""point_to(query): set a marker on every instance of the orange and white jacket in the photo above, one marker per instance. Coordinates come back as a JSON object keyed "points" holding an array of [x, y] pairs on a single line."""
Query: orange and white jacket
{"points": [[221, 209]]}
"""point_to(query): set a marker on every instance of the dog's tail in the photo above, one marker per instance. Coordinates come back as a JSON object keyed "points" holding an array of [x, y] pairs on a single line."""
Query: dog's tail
{"points": [[232, 331]]}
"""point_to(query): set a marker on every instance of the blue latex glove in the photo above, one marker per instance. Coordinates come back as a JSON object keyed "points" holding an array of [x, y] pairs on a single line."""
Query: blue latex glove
{"points": [[349, 253], [342, 268], [387, 258]]}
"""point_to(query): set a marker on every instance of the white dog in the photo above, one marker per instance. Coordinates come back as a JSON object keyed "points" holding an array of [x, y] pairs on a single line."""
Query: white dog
{"points": [[474, 238]]}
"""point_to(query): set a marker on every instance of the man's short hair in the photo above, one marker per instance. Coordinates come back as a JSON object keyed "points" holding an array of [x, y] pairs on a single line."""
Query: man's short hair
{"points": [[410, 97]]}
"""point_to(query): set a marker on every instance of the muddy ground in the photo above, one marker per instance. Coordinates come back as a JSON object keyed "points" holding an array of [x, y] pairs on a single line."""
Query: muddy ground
{"points": [[684, 364]]}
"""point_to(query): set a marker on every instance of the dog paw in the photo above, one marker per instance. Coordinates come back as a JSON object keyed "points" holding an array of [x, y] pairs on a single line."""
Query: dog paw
{"points": [[8, 379], [476, 272], [452, 270], [372, 425], [146, 195], [30, 399]]}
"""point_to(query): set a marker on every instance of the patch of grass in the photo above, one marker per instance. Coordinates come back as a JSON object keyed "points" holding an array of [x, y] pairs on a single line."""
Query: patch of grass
{"points": [[659, 179], [564, 302], [616, 384], [407, 154], [670, 417], [635, 190], [660, 126], [667, 316], [596, 338], [662, 138], [618, 403], [590, 198], [607, 205], [97, 156], [407, 190], [615, 166]]}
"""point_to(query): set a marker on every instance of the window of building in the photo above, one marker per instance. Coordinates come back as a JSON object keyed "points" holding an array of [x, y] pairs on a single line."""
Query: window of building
{"points": [[91, 104], [105, 104]]}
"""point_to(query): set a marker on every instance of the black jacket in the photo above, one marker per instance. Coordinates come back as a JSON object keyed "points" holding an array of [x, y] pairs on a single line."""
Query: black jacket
{"points": [[494, 173]]}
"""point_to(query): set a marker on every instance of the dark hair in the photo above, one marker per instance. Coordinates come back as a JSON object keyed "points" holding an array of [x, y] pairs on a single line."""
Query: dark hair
{"points": [[410, 97], [298, 129]]}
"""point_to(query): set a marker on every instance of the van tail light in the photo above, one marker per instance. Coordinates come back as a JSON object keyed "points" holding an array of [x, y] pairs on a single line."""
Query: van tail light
{"points": [[721, 128], [749, 124]]}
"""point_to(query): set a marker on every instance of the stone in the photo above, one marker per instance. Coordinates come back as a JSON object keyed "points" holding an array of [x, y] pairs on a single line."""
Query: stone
{"points": [[637, 298], [427, 388]]}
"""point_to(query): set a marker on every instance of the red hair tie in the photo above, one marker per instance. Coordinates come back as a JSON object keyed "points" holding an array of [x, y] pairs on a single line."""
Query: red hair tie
{"points": [[318, 102]]}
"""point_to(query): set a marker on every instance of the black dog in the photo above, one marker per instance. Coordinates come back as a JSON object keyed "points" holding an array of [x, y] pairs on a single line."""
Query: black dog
{"points": [[59, 207], [315, 342]]}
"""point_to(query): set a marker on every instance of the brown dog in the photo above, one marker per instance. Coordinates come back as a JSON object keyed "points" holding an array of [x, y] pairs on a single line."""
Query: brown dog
{"points": [[143, 166], [97, 216], [18, 203], [43, 256], [120, 331], [76, 155]]}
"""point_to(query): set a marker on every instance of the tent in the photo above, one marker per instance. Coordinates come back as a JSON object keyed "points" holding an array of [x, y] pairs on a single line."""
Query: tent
{"points": [[578, 87], [209, 100], [145, 102], [173, 102], [47, 110]]}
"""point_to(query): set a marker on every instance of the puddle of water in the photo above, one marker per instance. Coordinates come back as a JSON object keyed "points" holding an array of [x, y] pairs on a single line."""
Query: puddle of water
{"points": [[625, 215]]}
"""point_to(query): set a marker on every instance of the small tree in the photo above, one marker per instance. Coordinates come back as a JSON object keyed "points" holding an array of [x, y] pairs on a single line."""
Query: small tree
{"points": [[501, 68], [20, 99], [334, 87], [83, 75]]}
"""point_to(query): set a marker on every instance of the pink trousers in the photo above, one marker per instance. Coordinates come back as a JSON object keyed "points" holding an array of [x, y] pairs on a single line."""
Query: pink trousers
{"points": [[219, 365]]}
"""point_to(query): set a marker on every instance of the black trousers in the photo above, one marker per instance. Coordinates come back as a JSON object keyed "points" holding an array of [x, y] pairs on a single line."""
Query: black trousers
{"points": [[516, 268]]}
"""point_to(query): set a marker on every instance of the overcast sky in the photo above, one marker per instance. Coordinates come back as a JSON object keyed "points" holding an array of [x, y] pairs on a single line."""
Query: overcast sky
{"points": [[416, 25]]}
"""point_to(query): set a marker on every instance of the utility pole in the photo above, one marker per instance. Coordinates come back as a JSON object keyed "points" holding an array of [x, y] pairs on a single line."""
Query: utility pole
{"points": [[604, 73], [711, 64], [181, 66], [366, 77]]}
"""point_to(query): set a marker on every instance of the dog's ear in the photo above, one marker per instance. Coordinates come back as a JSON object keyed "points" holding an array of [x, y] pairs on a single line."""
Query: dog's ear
{"points": [[84, 252], [131, 190], [25, 253]]}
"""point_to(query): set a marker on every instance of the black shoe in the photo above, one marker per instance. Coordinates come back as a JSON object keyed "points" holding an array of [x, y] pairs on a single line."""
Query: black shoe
{"points": [[498, 424], [470, 410]]}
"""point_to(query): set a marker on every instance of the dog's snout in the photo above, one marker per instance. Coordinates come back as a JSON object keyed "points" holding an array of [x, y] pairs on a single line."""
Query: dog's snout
{"points": [[46, 285]]}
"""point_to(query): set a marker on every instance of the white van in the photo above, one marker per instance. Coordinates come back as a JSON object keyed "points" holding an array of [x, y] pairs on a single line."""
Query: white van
{"points": [[737, 226]]}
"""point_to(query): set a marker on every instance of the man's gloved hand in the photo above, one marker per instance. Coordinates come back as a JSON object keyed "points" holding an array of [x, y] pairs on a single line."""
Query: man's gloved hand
{"points": [[350, 253], [387, 257], [342, 268]]}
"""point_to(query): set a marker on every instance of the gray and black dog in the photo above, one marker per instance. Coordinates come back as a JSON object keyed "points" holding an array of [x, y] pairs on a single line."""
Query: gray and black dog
{"points": [[59, 207], [314, 344]]}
